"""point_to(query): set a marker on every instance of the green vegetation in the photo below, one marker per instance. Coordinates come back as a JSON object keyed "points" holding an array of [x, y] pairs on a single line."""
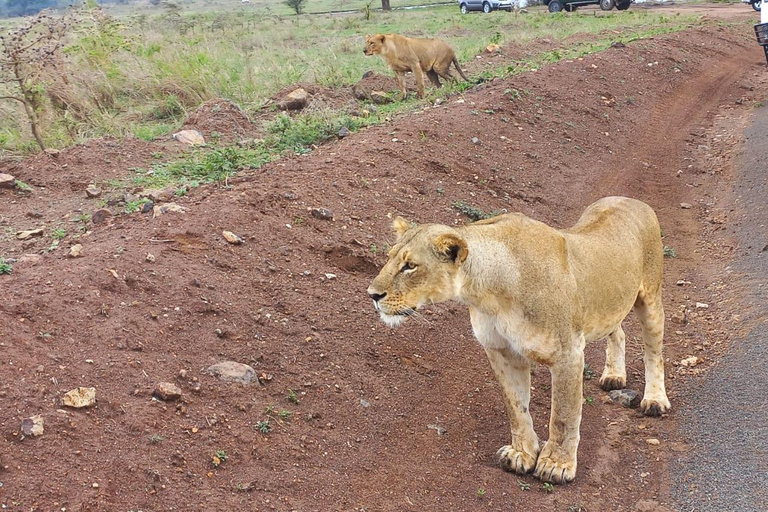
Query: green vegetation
{"points": [[293, 397], [5, 268], [219, 458], [588, 373], [473, 212], [669, 252], [155, 439], [263, 426], [548, 487], [143, 71]]}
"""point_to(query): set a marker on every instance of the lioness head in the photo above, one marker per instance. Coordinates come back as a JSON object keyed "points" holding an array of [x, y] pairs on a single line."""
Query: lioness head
{"points": [[373, 44], [421, 269]]}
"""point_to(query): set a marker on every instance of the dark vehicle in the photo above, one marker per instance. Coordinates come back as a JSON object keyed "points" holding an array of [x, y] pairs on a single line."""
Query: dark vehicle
{"points": [[571, 5], [485, 5], [756, 4]]}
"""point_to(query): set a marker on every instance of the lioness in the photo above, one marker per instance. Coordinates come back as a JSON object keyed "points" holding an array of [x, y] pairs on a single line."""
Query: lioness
{"points": [[430, 56], [536, 293]]}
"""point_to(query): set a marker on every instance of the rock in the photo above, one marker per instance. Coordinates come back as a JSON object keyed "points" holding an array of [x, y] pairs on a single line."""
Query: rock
{"points": [[32, 426], [75, 251], [189, 137], [150, 257], [295, 100], [653, 441], [685, 206], [101, 216], [147, 207], [79, 397], [492, 48], [231, 371], [158, 195], [30, 259], [367, 74], [438, 102], [628, 398], [7, 181], [475, 140], [617, 44], [360, 92], [690, 361], [380, 98], [167, 391], [343, 132], [52, 152], [24, 235], [321, 213], [92, 191], [161, 209], [702, 305], [232, 238], [330, 276]]}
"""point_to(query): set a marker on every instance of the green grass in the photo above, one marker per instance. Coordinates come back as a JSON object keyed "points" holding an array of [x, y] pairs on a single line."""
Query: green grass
{"points": [[5, 268]]}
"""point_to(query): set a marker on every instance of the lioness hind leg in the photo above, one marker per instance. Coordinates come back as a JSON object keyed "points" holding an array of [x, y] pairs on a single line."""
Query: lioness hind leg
{"points": [[514, 375], [434, 78], [651, 313], [615, 372]]}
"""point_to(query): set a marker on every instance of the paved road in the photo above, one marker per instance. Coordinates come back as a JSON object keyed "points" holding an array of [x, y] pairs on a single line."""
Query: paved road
{"points": [[727, 417]]}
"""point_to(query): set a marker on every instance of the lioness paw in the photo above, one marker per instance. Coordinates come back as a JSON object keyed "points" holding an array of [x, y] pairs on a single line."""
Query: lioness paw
{"points": [[611, 382], [515, 461], [557, 472], [655, 406]]}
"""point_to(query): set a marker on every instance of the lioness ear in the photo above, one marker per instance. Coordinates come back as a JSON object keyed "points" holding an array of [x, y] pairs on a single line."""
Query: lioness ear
{"points": [[451, 247], [380, 37], [400, 225]]}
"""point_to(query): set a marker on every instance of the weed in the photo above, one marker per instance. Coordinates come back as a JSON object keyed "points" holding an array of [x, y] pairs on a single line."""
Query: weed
{"points": [[263, 426], [588, 373], [496, 38], [59, 233], [284, 415], [473, 212], [219, 458], [22, 186], [268, 410], [292, 396], [374, 248], [589, 400], [5, 267], [669, 252], [155, 439], [548, 487], [523, 485], [514, 94], [44, 335], [481, 493], [134, 206]]}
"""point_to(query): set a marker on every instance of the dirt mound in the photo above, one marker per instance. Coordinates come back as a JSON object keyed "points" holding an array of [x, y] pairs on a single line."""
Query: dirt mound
{"points": [[373, 81], [223, 119], [320, 96]]}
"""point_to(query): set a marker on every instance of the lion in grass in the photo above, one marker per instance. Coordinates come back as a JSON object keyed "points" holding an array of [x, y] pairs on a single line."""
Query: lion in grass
{"points": [[536, 293], [403, 54]]}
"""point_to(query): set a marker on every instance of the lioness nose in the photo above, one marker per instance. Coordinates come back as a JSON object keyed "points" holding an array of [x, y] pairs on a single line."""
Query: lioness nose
{"points": [[377, 296]]}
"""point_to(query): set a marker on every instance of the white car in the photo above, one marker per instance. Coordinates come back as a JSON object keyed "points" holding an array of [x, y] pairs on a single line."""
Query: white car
{"points": [[485, 5]]}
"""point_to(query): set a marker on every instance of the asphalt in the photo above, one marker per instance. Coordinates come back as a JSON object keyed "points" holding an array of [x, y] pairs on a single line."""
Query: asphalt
{"points": [[726, 418]]}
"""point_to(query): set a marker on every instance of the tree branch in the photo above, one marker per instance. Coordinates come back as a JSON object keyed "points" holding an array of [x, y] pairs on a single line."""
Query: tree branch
{"points": [[12, 98]]}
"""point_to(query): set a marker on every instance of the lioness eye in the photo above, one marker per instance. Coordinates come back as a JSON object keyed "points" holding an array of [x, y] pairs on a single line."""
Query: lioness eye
{"points": [[407, 266]]}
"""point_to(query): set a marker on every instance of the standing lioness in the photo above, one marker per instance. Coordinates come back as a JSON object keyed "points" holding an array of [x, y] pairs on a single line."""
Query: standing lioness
{"points": [[539, 294], [403, 54]]}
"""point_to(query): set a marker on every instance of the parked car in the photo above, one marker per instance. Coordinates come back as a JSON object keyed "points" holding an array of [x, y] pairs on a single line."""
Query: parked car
{"points": [[485, 5], [756, 4], [571, 5]]}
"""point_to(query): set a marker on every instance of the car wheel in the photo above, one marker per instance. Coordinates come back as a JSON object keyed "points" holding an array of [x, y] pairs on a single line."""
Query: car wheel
{"points": [[623, 6], [607, 5], [555, 6], [757, 5], [486, 7], [463, 8]]}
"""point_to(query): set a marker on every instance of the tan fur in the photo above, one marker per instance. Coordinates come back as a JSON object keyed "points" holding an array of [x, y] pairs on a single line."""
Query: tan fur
{"points": [[420, 56], [539, 294]]}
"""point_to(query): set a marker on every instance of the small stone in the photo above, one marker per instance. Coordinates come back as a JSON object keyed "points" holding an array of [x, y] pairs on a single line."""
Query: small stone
{"points": [[653, 441], [360, 92], [321, 213], [52, 152], [161, 209], [439, 101], [492, 48], [295, 100], [150, 257], [189, 137], [167, 391], [158, 195], [100, 216], [690, 361], [95, 485], [343, 132], [147, 206], [628, 398], [75, 251], [232, 238], [32, 426], [475, 140], [231, 371], [330, 276], [365, 403], [685, 206], [92, 191], [79, 397], [7, 181], [24, 235], [702, 305], [617, 44], [380, 98]]}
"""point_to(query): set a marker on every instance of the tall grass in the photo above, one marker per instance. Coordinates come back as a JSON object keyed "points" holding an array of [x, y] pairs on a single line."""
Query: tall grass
{"points": [[142, 74]]}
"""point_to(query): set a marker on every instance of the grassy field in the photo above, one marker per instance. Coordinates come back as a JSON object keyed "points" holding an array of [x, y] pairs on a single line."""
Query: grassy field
{"points": [[141, 72]]}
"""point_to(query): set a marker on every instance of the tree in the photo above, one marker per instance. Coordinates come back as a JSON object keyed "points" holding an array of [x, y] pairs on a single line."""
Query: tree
{"points": [[26, 54], [385, 5], [296, 5]]}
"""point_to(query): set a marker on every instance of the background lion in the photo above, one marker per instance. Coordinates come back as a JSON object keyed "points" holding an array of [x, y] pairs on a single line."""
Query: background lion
{"points": [[539, 294], [403, 54]]}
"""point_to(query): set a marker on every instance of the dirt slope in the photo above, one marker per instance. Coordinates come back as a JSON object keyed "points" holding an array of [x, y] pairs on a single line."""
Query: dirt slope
{"points": [[367, 433]]}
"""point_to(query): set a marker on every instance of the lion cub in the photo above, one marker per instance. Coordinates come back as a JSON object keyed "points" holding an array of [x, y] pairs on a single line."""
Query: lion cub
{"points": [[430, 56], [536, 293]]}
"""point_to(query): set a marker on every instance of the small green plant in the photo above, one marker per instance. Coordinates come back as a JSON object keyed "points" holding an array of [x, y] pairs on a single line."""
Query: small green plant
{"points": [[59, 233], [514, 94], [588, 373], [284, 415], [5, 268], [374, 248], [523, 485], [155, 439], [22, 186], [473, 212], [589, 400], [669, 252], [548, 487], [292, 396], [134, 206], [263, 426], [269, 409], [496, 38], [481, 493], [219, 458]]}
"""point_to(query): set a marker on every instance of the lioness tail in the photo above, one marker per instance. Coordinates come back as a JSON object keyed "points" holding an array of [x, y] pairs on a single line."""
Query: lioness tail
{"points": [[458, 68]]}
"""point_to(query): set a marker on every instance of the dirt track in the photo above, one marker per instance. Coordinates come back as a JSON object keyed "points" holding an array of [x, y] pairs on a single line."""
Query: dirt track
{"points": [[364, 435]]}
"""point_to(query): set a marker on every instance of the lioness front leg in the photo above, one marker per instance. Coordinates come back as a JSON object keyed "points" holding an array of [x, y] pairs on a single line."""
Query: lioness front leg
{"points": [[557, 460], [400, 75]]}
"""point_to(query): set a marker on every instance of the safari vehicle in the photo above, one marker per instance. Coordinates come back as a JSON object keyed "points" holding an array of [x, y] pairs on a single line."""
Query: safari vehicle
{"points": [[756, 4], [571, 5], [485, 5]]}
